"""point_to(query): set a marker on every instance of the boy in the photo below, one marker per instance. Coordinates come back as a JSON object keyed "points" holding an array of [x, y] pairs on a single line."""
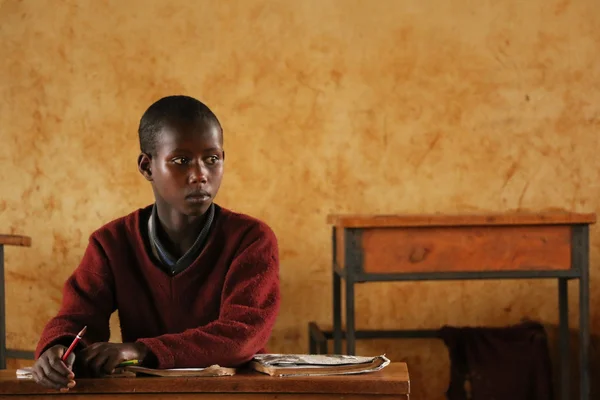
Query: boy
{"points": [[194, 284]]}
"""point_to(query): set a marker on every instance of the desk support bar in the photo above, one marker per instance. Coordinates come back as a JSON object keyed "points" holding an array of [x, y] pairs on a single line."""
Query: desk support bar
{"points": [[449, 276], [20, 354]]}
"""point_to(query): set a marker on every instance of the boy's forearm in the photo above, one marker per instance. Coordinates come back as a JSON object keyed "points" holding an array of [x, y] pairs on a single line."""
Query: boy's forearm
{"points": [[229, 341], [199, 348]]}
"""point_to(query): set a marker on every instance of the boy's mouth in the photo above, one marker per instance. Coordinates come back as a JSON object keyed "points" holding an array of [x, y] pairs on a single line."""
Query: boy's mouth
{"points": [[198, 196]]}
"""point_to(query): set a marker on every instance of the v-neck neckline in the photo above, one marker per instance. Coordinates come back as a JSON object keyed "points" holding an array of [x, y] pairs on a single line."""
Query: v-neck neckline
{"points": [[188, 258], [149, 259]]}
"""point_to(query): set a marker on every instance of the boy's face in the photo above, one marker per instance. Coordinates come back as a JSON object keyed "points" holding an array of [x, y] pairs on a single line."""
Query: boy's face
{"points": [[187, 168]]}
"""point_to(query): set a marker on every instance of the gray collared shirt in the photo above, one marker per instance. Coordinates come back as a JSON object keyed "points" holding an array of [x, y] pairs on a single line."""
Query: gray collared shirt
{"points": [[170, 263]]}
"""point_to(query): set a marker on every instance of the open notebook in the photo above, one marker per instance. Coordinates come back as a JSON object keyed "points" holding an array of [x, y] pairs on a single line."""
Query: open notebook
{"points": [[213, 370], [24, 373], [134, 370], [316, 364]]}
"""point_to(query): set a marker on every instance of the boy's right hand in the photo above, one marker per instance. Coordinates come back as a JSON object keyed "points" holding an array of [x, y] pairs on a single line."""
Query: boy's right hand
{"points": [[50, 371]]}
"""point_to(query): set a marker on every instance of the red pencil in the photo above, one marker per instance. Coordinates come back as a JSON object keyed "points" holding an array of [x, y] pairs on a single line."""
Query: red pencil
{"points": [[75, 341]]}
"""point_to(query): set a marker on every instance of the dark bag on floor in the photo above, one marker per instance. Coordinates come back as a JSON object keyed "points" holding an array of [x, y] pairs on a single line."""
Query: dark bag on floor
{"points": [[499, 363]]}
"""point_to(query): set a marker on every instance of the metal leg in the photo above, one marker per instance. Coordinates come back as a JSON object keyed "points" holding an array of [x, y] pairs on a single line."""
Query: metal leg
{"points": [[337, 298], [312, 346], [584, 339], [323, 347], [563, 307], [584, 315], [337, 314], [353, 259], [350, 327], [2, 312], [317, 341]]}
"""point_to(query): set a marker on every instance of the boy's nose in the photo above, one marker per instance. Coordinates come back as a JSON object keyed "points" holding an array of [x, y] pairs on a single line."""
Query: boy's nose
{"points": [[198, 175]]}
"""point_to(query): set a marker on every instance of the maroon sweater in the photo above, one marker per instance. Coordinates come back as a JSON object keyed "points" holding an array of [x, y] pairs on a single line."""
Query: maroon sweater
{"points": [[219, 310]]}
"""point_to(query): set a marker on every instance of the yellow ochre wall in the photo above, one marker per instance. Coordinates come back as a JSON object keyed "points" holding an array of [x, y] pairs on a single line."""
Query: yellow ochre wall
{"points": [[328, 106]]}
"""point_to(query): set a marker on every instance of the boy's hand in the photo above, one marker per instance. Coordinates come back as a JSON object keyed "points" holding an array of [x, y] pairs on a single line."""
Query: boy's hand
{"points": [[102, 358], [50, 371]]}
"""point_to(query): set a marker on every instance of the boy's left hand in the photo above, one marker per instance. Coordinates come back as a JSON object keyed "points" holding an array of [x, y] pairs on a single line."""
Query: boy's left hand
{"points": [[102, 358]]}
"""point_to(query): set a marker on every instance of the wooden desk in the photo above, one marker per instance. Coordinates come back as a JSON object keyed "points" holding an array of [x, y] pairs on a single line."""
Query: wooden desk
{"points": [[9, 240], [441, 247], [390, 383]]}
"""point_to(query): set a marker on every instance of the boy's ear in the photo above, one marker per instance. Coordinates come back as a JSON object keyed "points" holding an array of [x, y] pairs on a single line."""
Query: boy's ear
{"points": [[144, 166]]}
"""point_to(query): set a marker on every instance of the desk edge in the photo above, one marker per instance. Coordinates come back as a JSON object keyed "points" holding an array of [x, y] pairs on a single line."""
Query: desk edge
{"points": [[15, 240], [429, 220]]}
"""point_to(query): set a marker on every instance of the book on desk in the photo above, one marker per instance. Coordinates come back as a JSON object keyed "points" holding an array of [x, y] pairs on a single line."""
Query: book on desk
{"points": [[316, 364]]}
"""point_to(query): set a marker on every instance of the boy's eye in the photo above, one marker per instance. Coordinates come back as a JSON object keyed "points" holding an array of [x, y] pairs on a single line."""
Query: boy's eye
{"points": [[212, 159], [180, 160]]}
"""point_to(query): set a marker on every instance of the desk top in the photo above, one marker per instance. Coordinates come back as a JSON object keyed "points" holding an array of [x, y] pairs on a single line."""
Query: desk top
{"points": [[515, 218], [15, 240], [392, 380]]}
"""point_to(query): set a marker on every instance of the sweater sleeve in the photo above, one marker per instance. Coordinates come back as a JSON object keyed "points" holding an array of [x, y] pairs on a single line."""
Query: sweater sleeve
{"points": [[249, 307], [88, 299]]}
